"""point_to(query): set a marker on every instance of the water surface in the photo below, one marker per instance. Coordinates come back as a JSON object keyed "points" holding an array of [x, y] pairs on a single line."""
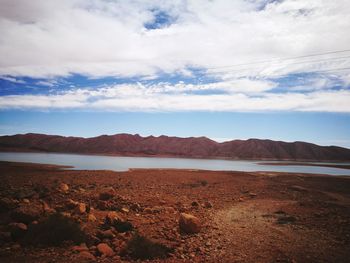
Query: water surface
{"points": [[93, 162]]}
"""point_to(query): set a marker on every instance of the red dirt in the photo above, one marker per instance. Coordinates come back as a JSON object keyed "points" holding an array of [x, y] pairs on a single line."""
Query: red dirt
{"points": [[256, 217]]}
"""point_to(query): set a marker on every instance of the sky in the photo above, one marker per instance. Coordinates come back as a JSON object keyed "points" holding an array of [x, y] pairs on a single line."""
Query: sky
{"points": [[225, 69]]}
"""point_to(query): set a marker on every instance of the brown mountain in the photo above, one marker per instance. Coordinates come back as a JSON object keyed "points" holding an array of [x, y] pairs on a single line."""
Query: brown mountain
{"points": [[199, 147]]}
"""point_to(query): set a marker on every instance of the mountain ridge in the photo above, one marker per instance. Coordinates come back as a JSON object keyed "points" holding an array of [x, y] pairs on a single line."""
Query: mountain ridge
{"points": [[124, 144]]}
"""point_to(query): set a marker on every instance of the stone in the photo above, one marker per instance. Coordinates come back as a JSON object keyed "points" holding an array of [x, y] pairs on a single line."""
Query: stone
{"points": [[63, 187], [195, 204], [136, 207], [103, 205], [47, 209], [105, 249], [26, 201], [106, 234], [81, 208], [112, 217], [189, 224], [86, 255], [125, 210], [71, 204], [107, 193], [80, 248], [208, 204], [91, 218], [252, 195]]}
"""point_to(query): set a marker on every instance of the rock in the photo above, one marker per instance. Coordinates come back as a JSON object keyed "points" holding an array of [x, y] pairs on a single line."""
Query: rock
{"points": [[107, 193], [208, 204], [81, 208], [86, 255], [136, 207], [115, 220], [27, 213], [286, 219], [91, 218], [195, 204], [80, 248], [252, 195], [66, 214], [71, 204], [148, 210], [7, 204], [112, 217], [26, 201], [125, 210], [18, 230], [120, 246], [47, 209], [105, 250], [189, 224], [63, 187], [105, 234], [103, 205]]}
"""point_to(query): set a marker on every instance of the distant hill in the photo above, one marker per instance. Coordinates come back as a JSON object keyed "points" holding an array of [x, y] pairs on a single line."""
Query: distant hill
{"points": [[196, 147]]}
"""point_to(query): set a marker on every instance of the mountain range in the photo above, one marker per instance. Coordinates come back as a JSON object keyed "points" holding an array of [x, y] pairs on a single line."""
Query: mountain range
{"points": [[194, 147]]}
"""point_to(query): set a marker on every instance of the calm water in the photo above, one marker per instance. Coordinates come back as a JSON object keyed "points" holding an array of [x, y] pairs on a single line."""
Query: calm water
{"points": [[91, 162]]}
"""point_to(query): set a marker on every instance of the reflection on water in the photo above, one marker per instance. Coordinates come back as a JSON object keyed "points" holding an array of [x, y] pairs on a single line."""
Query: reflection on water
{"points": [[92, 162]]}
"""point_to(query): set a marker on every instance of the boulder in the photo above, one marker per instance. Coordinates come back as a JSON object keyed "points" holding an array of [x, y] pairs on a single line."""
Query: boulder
{"points": [[81, 208], [189, 224], [113, 217], [107, 193], [63, 187], [118, 222], [105, 250]]}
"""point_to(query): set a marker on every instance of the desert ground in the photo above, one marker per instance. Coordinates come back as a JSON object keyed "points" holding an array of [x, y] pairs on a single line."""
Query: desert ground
{"points": [[50, 214]]}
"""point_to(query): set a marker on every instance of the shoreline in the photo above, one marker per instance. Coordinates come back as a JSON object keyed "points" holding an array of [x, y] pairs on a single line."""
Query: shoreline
{"points": [[2, 150], [345, 166], [71, 168]]}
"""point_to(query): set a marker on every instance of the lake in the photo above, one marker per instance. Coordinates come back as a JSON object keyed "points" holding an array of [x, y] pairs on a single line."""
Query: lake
{"points": [[94, 162]]}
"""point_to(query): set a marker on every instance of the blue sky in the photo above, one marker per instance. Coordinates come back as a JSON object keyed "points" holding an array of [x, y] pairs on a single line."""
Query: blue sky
{"points": [[223, 69]]}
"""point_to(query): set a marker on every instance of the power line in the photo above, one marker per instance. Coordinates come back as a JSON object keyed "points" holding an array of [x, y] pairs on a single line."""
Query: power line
{"points": [[282, 59], [310, 72], [294, 63]]}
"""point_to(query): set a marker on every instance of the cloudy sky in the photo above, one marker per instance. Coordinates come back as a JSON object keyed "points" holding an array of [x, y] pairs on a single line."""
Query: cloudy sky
{"points": [[226, 69]]}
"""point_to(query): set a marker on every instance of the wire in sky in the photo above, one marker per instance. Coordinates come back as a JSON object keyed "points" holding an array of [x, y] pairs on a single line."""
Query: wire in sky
{"points": [[282, 59]]}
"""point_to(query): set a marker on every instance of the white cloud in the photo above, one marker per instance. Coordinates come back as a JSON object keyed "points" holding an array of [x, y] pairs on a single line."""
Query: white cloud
{"points": [[45, 38], [161, 97], [13, 80]]}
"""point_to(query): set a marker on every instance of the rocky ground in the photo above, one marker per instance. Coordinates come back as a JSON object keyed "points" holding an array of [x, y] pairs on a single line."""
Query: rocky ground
{"points": [[48, 214]]}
